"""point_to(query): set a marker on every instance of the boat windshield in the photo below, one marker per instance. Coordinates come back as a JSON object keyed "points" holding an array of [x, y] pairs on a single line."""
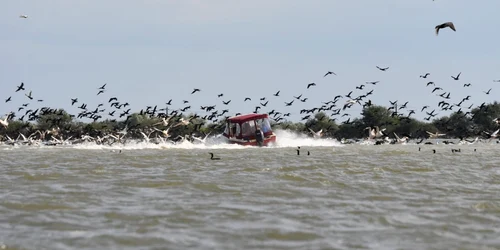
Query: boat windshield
{"points": [[264, 125]]}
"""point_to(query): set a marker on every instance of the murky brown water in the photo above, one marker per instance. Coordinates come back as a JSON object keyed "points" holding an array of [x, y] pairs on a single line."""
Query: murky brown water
{"points": [[351, 197]]}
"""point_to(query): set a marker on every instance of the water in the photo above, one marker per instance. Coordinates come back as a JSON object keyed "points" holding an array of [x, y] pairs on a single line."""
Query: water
{"points": [[174, 197]]}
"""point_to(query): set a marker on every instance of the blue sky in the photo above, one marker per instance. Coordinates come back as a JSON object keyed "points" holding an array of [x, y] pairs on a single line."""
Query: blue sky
{"points": [[149, 52]]}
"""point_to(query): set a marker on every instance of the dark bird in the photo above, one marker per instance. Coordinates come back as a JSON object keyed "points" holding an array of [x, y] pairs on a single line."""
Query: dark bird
{"points": [[430, 83], [289, 103], [487, 92], [467, 85], [73, 101], [212, 157], [21, 87], [329, 73], [444, 25], [456, 77], [226, 103], [195, 90], [382, 69], [100, 92], [103, 86], [436, 88], [297, 97], [311, 84], [8, 99], [247, 99], [360, 87], [29, 96], [425, 76], [112, 99], [374, 83], [277, 93], [220, 95]]}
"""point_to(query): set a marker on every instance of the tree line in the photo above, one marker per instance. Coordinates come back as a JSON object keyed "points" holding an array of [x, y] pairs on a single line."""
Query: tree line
{"points": [[459, 124]]}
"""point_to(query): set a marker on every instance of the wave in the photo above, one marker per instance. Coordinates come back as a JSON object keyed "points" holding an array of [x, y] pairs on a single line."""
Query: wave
{"points": [[284, 139]]}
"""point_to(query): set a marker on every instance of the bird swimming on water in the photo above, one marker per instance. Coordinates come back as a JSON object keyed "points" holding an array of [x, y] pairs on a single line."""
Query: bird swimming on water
{"points": [[212, 157], [444, 25]]}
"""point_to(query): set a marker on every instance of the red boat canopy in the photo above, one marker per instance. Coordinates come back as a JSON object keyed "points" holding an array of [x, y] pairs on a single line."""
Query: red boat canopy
{"points": [[244, 118]]}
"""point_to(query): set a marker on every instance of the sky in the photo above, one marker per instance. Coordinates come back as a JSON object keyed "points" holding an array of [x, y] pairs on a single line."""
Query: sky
{"points": [[151, 51]]}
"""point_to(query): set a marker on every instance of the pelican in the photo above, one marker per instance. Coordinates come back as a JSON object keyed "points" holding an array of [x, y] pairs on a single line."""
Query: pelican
{"points": [[400, 140], [492, 135], [201, 140], [379, 132], [371, 133], [434, 135], [182, 122], [146, 137], [317, 134], [124, 131], [164, 121], [164, 132], [4, 122]]}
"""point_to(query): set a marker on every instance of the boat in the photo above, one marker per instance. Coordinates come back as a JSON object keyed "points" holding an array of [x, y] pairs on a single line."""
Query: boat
{"points": [[241, 130]]}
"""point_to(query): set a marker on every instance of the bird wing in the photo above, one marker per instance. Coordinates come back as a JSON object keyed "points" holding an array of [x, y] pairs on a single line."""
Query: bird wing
{"points": [[451, 25], [495, 133]]}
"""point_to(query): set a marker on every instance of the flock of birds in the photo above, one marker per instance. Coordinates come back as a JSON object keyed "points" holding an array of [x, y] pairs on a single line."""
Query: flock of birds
{"points": [[170, 118]]}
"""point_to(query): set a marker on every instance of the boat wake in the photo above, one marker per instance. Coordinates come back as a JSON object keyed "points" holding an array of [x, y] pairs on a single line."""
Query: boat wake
{"points": [[284, 139]]}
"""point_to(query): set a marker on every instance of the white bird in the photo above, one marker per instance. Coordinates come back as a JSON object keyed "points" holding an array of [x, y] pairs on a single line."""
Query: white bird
{"points": [[164, 132], [146, 137], [317, 134], [371, 132], [433, 135], [164, 121], [400, 140], [379, 132], [23, 16], [492, 135], [182, 122], [124, 131], [201, 140], [4, 122]]}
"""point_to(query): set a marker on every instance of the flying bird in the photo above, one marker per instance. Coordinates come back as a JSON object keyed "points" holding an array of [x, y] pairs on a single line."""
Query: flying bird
{"points": [[329, 73], [456, 77], [23, 16], [29, 96], [425, 76], [382, 69], [444, 25], [21, 87], [195, 90], [311, 84]]}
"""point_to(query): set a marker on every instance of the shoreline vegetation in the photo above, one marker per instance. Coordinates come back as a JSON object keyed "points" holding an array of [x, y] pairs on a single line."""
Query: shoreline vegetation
{"points": [[58, 127]]}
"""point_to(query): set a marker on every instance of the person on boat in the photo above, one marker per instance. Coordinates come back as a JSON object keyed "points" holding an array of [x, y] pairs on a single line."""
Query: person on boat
{"points": [[265, 126], [259, 135]]}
